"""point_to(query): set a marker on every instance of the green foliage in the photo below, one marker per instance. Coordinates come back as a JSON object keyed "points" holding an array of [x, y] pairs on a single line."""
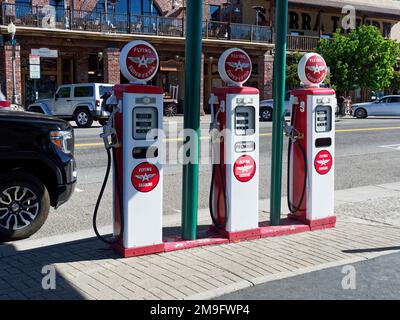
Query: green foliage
{"points": [[361, 59], [292, 79]]}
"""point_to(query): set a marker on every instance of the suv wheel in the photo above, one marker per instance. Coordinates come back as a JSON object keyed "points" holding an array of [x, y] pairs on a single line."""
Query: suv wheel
{"points": [[266, 114], [24, 206], [83, 118]]}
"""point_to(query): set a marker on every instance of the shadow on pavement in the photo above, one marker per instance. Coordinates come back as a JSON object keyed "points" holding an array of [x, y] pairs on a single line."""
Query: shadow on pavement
{"points": [[22, 272], [367, 250]]}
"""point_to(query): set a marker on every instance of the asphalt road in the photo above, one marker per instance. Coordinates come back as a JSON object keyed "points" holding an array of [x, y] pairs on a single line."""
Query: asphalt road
{"points": [[375, 279], [361, 159]]}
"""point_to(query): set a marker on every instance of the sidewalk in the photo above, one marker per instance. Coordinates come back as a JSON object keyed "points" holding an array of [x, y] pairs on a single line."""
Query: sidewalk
{"points": [[368, 226]]}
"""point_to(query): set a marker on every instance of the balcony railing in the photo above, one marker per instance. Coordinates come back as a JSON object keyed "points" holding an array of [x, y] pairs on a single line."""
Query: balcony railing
{"points": [[302, 43], [98, 21]]}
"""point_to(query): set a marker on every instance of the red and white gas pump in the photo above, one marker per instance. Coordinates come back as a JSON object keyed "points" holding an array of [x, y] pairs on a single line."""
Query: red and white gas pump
{"points": [[137, 122], [235, 143], [312, 146]]}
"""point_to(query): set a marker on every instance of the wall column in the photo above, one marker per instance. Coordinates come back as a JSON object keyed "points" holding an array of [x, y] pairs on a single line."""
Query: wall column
{"points": [[111, 66], [266, 74], [6, 70]]}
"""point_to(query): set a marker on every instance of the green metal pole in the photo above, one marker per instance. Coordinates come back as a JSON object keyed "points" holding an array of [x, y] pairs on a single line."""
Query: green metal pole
{"points": [[278, 114], [193, 59]]}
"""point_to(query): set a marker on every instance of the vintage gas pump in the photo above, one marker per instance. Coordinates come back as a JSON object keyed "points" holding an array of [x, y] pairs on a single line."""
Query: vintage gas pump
{"points": [[312, 146], [234, 136], [135, 130]]}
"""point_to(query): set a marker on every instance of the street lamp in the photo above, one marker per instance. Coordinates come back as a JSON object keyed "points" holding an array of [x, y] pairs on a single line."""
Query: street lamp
{"points": [[12, 30]]}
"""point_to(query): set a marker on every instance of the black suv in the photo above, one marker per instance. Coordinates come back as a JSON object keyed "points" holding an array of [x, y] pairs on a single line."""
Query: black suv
{"points": [[37, 170]]}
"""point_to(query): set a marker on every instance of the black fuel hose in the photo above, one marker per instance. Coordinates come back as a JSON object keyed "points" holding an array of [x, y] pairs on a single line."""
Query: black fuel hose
{"points": [[100, 197], [293, 209]]}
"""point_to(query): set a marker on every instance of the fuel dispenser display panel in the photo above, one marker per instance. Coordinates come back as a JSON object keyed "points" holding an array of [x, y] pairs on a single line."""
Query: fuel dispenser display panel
{"points": [[244, 120], [323, 119], [144, 119]]}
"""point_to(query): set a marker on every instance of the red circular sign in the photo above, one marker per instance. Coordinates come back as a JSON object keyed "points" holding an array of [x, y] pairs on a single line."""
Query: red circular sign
{"points": [[145, 177], [238, 66], [323, 162], [142, 61], [316, 69], [244, 168]]}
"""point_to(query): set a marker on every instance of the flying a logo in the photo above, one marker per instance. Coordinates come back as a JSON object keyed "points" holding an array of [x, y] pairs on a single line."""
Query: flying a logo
{"points": [[142, 61], [323, 162], [145, 177], [245, 169], [238, 65], [317, 68]]}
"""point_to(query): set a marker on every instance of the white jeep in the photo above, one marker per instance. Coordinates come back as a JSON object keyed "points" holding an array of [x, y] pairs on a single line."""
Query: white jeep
{"points": [[79, 102]]}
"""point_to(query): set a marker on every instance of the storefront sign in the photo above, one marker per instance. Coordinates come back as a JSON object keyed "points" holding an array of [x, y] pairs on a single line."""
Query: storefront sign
{"points": [[45, 53], [34, 71], [34, 59]]}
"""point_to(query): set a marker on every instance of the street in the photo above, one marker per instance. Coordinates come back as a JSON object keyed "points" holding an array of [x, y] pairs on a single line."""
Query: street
{"points": [[373, 279], [366, 153]]}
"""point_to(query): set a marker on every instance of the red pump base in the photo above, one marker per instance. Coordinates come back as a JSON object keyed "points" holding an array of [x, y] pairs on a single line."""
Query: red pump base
{"points": [[210, 235]]}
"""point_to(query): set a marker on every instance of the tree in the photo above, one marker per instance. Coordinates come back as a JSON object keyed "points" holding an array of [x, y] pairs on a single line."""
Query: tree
{"points": [[292, 78], [360, 59]]}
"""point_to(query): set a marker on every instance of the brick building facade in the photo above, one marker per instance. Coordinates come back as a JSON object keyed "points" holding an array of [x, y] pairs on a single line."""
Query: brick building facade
{"points": [[86, 56], [80, 41]]}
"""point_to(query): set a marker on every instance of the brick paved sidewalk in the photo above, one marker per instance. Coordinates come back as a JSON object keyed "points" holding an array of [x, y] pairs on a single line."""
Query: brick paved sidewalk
{"points": [[88, 269]]}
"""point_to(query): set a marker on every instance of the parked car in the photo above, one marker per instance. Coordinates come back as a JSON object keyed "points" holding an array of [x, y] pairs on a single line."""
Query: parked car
{"points": [[78, 102], [37, 170], [267, 106], [4, 103], [385, 106]]}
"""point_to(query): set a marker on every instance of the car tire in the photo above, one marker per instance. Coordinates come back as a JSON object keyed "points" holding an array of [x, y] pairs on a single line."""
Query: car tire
{"points": [[103, 121], [360, 113], [83, 118], [170, 110], [266, 114], [24, 206]]}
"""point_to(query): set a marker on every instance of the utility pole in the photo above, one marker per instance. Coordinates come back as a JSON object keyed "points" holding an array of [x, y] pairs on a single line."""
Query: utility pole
{"points": [[193, 54], [279, 111]]}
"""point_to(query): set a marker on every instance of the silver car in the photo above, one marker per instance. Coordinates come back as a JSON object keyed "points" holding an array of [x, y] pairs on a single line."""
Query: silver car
{"points": [[385, 106]]}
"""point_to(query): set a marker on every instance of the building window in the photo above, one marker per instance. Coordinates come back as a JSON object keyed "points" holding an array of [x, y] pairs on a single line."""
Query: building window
{"points": [[137, 7], [215, 12], [59, 7]]}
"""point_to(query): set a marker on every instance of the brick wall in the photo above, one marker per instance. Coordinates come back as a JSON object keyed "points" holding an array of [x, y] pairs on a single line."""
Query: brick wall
{"points": [[82, 62], [111, 66], [266, 70], [6, 72]]}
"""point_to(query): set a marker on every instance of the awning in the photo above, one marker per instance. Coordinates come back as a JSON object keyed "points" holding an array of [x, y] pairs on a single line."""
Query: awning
{"points": [[383, 6]]}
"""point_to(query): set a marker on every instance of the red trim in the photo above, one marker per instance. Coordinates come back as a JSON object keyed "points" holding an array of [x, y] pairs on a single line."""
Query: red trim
{"points": [[182, 244], [235, 236], [287, 227], [319, 224], [120, 89], [237, 90], [138, 251], [313, 92]]}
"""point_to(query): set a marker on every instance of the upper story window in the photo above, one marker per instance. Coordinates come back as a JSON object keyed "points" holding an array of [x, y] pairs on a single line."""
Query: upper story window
{"points": [[138, 7], [215, 12]]}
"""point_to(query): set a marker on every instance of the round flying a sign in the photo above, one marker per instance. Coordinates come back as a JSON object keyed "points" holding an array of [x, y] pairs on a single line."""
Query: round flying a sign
{"points": [[323, 162], [312, 69], [139, 61], [235, 67], [244, 168], [145, 177]]}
